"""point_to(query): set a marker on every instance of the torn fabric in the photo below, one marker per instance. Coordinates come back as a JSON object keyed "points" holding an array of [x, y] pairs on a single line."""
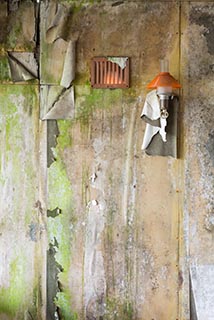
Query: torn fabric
{"points": [[121, 61], [160, 136]]}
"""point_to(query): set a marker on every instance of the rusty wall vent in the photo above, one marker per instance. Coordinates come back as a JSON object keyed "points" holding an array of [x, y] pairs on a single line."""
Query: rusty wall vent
{"points": [[110, 72]]}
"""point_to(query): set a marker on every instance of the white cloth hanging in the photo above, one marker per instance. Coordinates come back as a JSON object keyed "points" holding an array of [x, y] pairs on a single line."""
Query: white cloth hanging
{"points": [[151, 114]]}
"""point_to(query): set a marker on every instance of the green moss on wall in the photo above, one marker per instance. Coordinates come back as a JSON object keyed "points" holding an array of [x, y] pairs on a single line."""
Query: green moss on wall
{"points": [[18, 184], [61, 227], [14, 35], [15, 298], [46, 76], [4, 69], [88, 100], [63, 301], [115, 310], [64, 139], [19, 127]]}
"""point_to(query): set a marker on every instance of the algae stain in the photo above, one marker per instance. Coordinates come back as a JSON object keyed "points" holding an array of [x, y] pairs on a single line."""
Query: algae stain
{"points": [[60, 227], [53, 286], [62, 301], [13, 35], [64, 139], [89, 100], [4, 69], [117, 310], [13, 299]]}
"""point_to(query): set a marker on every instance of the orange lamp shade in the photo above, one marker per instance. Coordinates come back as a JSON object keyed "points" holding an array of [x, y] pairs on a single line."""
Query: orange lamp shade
{"points": [[164, 79]]}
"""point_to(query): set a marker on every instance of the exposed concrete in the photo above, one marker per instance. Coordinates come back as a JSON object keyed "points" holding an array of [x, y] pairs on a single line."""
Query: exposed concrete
{"points": [[120, 232], [202, 292], [19, 128]]}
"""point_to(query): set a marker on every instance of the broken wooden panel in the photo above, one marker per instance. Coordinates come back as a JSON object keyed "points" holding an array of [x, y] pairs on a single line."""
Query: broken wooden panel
{"points": [[18, 27], [57, 59], [23, 66], [21, 220], [56, 102]]}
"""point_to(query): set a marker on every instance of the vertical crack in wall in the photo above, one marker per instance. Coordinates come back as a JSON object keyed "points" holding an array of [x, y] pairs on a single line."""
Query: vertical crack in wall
{"points": [[37, 34]]}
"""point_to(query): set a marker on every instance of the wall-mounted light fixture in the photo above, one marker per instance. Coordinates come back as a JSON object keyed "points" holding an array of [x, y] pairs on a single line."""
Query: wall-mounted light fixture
{"points": [[160, 114], [164, 83], [110, 72]]}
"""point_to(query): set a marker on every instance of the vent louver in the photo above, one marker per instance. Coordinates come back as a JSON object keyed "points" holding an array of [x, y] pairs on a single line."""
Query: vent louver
{"points": [[108, 73]]}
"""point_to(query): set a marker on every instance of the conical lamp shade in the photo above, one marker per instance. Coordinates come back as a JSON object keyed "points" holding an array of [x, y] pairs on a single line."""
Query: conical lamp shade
{"points": [[164, 79]]}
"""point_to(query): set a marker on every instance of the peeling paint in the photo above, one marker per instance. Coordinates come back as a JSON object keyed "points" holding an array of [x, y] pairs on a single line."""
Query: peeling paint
{"points": [[114, 216], [56, 103], [23, 66], [60, 221], [53, 285]]}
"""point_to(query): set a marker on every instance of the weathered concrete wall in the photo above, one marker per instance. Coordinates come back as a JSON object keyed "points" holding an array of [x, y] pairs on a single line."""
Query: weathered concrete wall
{"points": [[22, 214], [119, 208], [122, 229], [197, 77]]}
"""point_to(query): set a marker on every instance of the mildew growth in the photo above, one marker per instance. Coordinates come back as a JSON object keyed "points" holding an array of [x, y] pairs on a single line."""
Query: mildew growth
{"points": [[88, 100], [60, 223], [53, 283], [203, 16]]}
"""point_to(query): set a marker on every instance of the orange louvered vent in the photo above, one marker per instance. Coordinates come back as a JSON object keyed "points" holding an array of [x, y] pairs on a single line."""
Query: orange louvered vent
{"points": [[110, 72]]}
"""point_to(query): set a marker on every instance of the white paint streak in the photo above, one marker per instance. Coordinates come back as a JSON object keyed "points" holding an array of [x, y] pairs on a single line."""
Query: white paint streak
{"points": [[94, 274]]}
